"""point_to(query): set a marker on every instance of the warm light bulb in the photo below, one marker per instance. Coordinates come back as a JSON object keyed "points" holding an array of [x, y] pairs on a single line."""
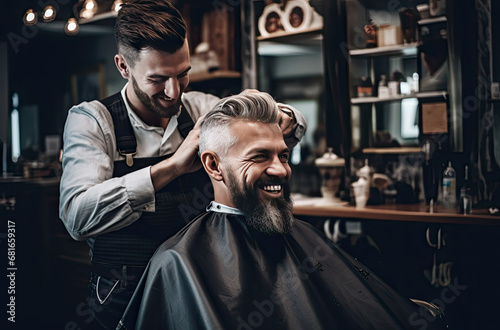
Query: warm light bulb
{"points": [[90, 5], [29, 17], [117, 5], [71, 26], [87, 14], [49, 13]]}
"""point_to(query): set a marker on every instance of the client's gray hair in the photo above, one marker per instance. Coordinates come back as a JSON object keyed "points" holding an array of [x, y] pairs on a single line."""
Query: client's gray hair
{"points": [[215, 134]]}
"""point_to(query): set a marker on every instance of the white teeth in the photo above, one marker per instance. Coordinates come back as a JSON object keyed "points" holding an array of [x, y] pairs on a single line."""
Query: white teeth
{"points": [[272, 188]]}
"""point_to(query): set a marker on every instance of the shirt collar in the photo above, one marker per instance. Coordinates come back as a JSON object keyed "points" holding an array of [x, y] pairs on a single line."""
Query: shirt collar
{"points": [[221, 208]]}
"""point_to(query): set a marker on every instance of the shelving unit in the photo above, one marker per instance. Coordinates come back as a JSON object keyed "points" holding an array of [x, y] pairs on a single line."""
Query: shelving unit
{"points": [[373, 113]]}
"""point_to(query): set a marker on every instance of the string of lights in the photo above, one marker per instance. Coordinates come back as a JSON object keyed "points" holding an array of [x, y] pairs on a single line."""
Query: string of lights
{"points": [[83, 11]]}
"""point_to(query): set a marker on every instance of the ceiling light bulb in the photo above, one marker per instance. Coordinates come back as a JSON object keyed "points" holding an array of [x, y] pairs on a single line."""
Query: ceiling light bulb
{"points": [[71, 26], [29, 17], [49, 13], [90, 5], [87, 14], [117, 5]]}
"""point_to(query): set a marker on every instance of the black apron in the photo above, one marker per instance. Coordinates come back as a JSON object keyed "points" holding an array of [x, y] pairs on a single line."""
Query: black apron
{"points": [[176, 204]]}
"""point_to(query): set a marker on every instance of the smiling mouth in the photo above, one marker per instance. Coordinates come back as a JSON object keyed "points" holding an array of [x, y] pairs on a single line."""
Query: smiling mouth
{"points": [[273, 188], [165, 98]]}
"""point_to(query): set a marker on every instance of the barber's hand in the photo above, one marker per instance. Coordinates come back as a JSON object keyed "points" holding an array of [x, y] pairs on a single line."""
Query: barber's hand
{"points": [[287, 121], [186, 158]]}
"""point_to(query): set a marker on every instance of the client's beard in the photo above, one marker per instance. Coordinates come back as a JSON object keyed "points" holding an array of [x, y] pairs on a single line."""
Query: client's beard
{"points": [[272, 216]]}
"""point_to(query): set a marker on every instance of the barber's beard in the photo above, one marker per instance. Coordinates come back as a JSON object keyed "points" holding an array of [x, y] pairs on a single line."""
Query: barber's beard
{"points": [[270, 216], [153, 104]]}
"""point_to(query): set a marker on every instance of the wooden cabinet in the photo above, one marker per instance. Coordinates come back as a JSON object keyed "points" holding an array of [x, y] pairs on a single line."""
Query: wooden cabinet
{"points": [[400, 244]]}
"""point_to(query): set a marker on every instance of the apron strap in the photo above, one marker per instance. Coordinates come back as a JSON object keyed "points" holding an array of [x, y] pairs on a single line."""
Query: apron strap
{"points": [[125, 137]]}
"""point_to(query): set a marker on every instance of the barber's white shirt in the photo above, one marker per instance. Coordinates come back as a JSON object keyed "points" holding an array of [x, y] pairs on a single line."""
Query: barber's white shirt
{"points": [[91, 201]]}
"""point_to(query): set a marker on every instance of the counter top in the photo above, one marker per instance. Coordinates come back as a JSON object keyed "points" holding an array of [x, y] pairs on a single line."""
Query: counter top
{"points": [[19, 184], [396, 212]]}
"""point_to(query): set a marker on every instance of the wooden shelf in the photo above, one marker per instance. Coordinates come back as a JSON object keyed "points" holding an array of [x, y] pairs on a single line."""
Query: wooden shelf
{"points": [[432, 20], [219, 74], [433, 94], [399, 212], [420, 95], [285, 36], [395, 150], [401, 50]]}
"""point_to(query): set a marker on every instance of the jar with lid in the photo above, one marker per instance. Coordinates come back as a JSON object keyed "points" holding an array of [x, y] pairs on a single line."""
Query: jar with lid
{"points": [[365, 87]]}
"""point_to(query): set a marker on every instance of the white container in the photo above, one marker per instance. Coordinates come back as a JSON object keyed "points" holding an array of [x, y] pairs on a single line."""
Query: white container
{"points": [[330, 167], [389, 35], [394, 88], [449, 187], [361, 190], [383, 92]]}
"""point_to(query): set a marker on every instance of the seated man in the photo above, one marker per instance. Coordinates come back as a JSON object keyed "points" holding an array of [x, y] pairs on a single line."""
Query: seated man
{"points": [[247, 263]]}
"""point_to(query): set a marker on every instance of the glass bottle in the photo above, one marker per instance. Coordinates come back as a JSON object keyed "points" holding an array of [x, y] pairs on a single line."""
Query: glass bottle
{"points": [[449, 187], [365, 88], [465, 194]]}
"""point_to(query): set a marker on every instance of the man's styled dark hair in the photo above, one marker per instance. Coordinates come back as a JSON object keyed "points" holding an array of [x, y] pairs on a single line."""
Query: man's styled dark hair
{"points": [[143, 24]]}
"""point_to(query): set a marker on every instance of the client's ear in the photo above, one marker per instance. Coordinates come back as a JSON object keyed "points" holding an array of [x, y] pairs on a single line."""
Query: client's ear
{"points": [[211, 163]]}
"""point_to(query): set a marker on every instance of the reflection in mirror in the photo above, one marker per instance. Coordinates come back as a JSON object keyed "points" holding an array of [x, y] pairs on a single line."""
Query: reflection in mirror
{"points": [[306, 95]]}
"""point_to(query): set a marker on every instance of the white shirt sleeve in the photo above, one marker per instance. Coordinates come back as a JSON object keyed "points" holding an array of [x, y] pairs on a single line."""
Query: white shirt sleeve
{"points": [[92, 202]]}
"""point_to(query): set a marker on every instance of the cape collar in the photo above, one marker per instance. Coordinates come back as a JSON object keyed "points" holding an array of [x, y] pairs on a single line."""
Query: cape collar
{"points": [[221, 208]]}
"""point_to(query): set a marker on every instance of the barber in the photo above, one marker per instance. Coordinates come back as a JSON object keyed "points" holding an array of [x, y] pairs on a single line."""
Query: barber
{"points": [[131, 174]]}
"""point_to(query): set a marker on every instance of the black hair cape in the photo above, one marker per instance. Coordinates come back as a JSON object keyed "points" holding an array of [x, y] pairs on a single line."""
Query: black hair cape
{"points": [[217, 273]]}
